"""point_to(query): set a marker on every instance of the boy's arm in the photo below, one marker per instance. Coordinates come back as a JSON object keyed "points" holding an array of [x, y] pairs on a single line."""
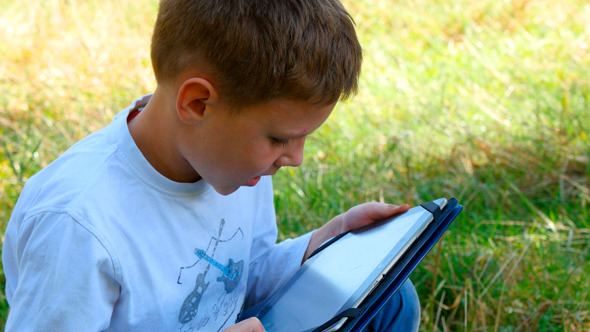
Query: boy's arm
{"points": [[59, 276], [356, 217], [271, 263]]}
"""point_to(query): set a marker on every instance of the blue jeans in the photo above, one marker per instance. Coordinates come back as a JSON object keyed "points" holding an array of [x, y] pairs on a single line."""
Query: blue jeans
{"points": [[401, 313]]}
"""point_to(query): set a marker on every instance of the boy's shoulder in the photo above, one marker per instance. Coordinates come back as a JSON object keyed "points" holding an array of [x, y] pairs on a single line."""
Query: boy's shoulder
{"points": [[83, 172], [68, 177]]}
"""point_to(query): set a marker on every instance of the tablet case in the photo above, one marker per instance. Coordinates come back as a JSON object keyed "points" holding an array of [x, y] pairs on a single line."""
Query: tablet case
{"points": [[393, 280]]}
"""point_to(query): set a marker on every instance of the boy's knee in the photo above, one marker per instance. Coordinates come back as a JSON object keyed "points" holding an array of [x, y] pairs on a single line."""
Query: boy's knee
{"points": [[410, 306], [401, 313]]}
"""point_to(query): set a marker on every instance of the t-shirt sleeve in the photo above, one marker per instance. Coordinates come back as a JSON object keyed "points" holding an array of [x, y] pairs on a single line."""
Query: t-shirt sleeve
{"points": [[59, 276], [271, 271], [272, 264]]}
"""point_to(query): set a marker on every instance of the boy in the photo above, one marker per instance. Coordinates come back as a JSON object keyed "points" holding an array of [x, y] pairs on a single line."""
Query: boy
{"points": [[164, 219]]}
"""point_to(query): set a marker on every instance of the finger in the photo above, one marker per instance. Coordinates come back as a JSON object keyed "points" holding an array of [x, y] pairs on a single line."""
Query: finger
{"points": [[367, 213], [249, 325], [377, 211], [394, 209]]}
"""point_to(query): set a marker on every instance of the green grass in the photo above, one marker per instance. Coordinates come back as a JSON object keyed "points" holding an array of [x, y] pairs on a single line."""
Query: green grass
{"points": [[487, 101]]}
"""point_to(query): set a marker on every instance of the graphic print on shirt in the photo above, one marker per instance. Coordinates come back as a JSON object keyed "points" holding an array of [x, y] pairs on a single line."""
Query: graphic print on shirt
{"points": [[231, 273]]}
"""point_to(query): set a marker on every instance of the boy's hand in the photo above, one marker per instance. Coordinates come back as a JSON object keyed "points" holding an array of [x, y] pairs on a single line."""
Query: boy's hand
{"points": [[249, 325], [358, 216]]}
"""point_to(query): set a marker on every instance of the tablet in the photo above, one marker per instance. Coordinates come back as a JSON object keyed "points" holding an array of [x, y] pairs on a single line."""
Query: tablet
{"points": [[343, 273]]}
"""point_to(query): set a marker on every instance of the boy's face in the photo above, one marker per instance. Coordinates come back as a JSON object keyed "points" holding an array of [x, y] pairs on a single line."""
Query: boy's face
{"points": [[234, 149]]}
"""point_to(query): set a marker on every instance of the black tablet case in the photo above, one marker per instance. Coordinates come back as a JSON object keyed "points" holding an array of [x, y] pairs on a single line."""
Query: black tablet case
{"points": [[393, 280]]}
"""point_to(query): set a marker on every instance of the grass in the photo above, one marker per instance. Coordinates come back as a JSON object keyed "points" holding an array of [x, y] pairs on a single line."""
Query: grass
{"points": [[487, 101]]}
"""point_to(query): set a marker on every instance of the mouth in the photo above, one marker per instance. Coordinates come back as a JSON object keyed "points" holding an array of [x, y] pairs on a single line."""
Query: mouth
{"points": [[253, 181]]}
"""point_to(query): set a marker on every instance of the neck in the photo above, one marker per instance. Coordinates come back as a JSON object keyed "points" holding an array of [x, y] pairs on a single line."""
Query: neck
{"points": [[154, 131]]}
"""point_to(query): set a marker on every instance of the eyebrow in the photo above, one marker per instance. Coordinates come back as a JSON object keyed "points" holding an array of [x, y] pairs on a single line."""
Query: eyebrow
{"points": [[300, 134], [296, 135]]}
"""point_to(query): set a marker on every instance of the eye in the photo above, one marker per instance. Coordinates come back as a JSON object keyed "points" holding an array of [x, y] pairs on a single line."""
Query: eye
{"points": [[279, 141]]}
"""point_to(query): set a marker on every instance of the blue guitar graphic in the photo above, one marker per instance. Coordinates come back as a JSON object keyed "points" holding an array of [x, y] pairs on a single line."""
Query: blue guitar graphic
{"points": [[231, 273]]}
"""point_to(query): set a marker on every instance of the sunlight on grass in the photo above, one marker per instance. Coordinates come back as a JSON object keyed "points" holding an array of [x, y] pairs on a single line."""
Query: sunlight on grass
{"points": [[487, 101]]}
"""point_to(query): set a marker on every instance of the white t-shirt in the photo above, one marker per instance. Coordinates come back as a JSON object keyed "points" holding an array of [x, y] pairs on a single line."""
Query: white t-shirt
{"points": [[99, 240]]}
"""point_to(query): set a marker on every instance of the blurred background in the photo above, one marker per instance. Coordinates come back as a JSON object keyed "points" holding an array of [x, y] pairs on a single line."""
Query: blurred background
{"points": [[487, 101]]}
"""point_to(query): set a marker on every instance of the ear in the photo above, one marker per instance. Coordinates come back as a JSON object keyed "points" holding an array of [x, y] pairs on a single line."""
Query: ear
{"points": [[194, 96]]}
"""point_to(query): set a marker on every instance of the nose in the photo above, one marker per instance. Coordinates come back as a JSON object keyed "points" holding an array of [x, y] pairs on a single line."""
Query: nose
{"points": [[293, 155]]}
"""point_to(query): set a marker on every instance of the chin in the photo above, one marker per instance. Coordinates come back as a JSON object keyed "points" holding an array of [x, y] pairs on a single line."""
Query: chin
{"points": [[225, 190]]}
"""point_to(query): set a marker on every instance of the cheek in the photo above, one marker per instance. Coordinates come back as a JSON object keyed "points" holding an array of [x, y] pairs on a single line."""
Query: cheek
{"points": [[254, 144], [250, 151], [261, 155]]}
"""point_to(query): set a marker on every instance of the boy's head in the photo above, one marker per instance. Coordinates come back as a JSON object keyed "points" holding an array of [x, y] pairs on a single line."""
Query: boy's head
{"points": [[256, 51]]}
